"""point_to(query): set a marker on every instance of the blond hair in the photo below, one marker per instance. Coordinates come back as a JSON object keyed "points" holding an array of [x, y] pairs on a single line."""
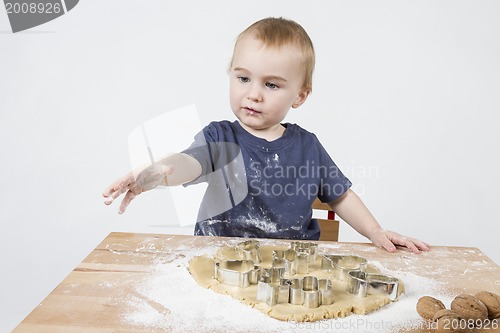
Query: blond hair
{"points": [[277, 32]]}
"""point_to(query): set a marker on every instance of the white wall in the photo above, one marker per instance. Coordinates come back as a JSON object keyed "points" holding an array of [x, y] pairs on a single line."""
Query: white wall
{"points": [[406, 96]]}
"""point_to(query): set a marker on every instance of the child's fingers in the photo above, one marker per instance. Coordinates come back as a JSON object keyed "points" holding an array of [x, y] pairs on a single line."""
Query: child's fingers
{"points": [[422, 245], [405, 241], [386, 243], [108, 193], [411, 246], [390, 247], [126, 201], [116, 189], [113, 193], [390, 240], [415, 245], [113, 187]]}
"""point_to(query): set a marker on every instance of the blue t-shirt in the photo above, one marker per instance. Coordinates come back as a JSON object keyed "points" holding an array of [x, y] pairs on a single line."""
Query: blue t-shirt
{"points": [[263, 189]]}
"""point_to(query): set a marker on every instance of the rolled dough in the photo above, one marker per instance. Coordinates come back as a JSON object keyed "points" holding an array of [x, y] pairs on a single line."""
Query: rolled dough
{"points": [[202, 270]]}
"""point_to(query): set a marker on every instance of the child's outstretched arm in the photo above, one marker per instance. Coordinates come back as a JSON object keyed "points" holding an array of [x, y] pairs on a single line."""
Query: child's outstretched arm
{"points": [[175, 169], [352, 210]]}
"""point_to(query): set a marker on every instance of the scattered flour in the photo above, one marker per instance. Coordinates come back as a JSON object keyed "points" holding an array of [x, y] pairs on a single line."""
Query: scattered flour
{"points": [[211, 227], [402, 313], [265, 225], [170, 300]]}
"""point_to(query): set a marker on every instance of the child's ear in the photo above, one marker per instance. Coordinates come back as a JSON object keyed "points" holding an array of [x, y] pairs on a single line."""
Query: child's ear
{"points": [[301, 98]]}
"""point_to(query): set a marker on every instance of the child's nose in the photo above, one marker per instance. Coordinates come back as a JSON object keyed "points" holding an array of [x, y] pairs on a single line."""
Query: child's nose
{"points": [[254, 94]]}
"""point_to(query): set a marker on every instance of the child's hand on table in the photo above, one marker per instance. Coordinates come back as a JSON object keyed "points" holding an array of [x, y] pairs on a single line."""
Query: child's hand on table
{"points": [[389, 240]]}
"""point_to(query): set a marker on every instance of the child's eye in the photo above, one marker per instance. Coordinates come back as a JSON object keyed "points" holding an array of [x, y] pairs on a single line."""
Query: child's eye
{"points": [[243, 79], [271, 85]]}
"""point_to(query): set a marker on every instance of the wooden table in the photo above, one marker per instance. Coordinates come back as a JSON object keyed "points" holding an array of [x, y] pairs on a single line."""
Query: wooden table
{"points": [[95, 297]]}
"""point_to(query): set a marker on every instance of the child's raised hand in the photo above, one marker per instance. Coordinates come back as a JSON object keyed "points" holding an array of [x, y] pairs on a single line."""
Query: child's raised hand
{"points": [[136, 182], [389, 239], [147, 178]]}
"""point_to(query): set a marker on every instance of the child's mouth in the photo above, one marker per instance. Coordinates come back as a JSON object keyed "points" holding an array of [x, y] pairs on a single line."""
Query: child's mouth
{"points": [[252, 111]]}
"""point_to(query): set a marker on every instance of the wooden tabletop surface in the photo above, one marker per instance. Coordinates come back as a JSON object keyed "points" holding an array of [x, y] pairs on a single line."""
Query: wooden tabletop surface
{"points": [[101, 294]]}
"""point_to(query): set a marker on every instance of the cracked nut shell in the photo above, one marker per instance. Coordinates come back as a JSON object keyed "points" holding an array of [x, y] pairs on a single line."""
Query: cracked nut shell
{"points": [[427, 307], [492, 303], [447, 321], [469, 307]]}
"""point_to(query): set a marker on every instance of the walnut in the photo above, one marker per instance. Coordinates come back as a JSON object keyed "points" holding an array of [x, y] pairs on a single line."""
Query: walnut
{"points": [[427, 307], [447, 321], [469, 307], [492, 303]]}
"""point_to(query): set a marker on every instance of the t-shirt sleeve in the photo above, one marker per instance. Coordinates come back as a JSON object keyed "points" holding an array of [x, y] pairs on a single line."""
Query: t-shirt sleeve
{"points": [[200, 150], [333, 183], [212, 150]]}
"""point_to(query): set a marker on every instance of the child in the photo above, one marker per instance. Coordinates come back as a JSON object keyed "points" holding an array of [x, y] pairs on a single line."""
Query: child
{"points": [[263, 175]]}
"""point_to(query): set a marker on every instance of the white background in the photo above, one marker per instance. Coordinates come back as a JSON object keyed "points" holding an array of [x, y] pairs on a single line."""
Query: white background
{"points": [[406, 100]]}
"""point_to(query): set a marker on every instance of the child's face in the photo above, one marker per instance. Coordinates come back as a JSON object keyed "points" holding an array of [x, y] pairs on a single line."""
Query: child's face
{"points": [[265, 83]]}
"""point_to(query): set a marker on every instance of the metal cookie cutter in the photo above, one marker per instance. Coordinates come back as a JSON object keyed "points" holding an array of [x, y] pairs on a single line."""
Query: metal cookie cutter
{"points": [[305, 255], [326, 291], [249, 250], [310, 288], [362, 284], [239, 273], [294, 262], [286, 259], [296, 292], [340, 266], [272, 288], [311, 292], [309, 248]]}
